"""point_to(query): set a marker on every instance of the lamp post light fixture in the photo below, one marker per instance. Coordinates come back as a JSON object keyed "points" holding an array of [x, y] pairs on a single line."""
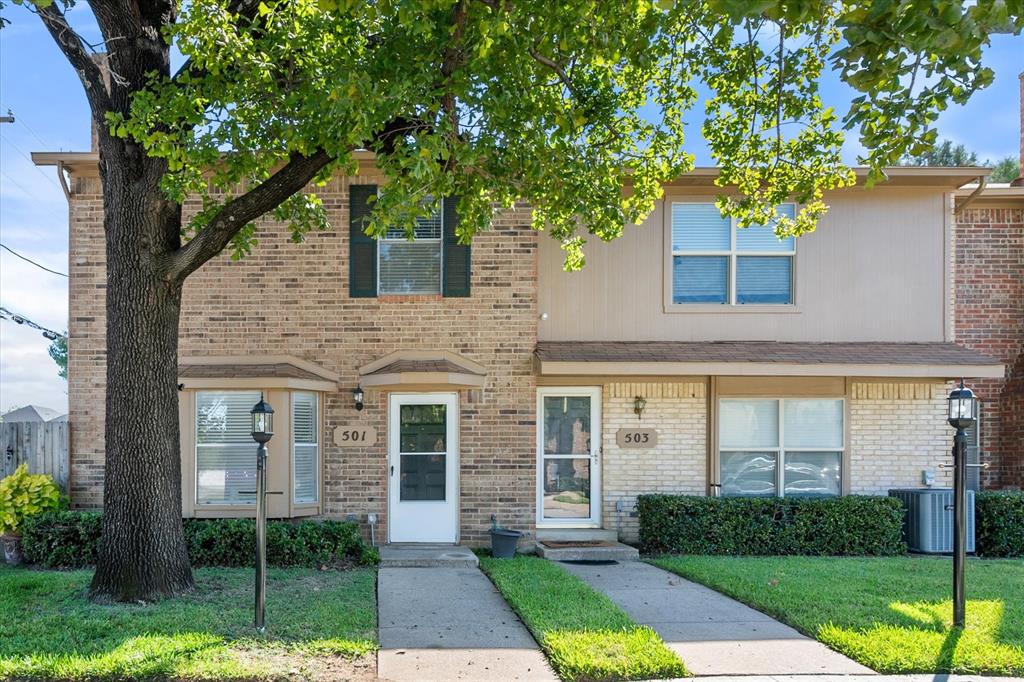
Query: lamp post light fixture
{"points": [[962, 414], [262, 432], [357, 397]]}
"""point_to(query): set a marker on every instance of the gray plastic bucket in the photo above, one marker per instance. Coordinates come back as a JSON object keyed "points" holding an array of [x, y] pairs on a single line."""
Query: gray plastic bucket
{"points": [[503, 542]]}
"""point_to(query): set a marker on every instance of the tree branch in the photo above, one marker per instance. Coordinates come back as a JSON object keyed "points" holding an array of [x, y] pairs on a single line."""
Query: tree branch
{"points": [[74, 51], [239, 212], [553, 65]]}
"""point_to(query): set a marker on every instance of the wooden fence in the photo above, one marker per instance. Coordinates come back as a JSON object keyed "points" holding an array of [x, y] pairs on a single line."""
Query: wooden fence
{"points": [[43, 445]]}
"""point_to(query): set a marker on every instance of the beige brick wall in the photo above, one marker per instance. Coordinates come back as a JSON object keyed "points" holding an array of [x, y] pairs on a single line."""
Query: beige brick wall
{"points": [[897, 430], [678, 464], [293, 299]]}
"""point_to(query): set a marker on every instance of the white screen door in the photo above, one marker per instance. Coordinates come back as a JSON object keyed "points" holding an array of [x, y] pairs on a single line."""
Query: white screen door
{"points": [[568, 450], [423, 464]]}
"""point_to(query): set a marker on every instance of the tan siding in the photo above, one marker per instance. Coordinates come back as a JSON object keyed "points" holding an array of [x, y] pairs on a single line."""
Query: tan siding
{"points": [[873, 271]]}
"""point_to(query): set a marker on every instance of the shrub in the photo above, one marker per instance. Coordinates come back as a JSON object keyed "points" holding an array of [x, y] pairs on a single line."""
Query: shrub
{"points": [[23, 495], [62, 539], [71, 539], [851, 525], [999, 524]]}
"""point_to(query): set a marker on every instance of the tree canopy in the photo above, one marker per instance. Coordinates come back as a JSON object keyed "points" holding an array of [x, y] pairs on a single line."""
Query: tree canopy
{"points": [[561, 104]]}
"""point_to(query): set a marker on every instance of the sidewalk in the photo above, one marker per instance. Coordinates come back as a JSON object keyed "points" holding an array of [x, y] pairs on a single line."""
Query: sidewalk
{"points": [[713, 634], [451, 624]]}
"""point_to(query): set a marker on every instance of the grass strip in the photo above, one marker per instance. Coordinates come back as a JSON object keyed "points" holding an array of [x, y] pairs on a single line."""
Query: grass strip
{"points": [[891, 614], [318, 622], [583, 633]]}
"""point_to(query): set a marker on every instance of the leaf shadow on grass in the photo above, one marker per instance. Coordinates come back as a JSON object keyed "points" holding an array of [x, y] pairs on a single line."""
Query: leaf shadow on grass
{"points": [[54, 632], [931, 644]]}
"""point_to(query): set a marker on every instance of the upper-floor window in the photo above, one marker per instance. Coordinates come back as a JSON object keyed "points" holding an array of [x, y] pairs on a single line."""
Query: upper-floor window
{"points": [[412, 266], [783, 447], [715, 261], [433, 263]]}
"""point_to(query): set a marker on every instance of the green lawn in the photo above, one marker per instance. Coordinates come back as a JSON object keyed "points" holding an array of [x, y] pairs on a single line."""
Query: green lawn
{"points": [[584, 634], [317, 622], [891, 614]]}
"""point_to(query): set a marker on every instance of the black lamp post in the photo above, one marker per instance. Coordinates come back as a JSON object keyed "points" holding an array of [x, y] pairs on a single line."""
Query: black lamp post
{"points": [[262, 432], [963, 413]]}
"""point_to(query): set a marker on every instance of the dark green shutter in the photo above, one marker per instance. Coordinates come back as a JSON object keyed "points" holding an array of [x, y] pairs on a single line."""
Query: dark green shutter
{"points": [[362, 249], [456, 256]]}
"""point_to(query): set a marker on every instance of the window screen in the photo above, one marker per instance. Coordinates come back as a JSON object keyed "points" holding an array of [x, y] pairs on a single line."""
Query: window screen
{"points": [[306, 447], [412, 266], [716, 261], [783, 447], [225, 450]]}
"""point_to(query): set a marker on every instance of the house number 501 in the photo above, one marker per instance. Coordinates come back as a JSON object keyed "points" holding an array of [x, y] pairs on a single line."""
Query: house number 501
{"points": [[636, 438], [355, 436]]}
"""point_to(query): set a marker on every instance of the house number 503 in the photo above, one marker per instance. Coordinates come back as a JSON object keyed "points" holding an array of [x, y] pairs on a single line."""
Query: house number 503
{"points": [[636, 438], [355, 436]]}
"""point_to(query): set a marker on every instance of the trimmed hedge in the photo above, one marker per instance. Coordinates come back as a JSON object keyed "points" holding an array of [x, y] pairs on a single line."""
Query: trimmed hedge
{"points": [[850, 525], [999, 524], [70, 539]]}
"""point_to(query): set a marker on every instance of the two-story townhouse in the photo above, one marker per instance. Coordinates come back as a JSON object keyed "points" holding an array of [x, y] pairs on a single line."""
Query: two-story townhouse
{"points": [[428, 386], [990, 314]]}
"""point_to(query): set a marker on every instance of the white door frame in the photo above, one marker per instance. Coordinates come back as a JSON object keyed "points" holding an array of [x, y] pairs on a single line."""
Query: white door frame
{"points": [[594, 393], [424, 520]]}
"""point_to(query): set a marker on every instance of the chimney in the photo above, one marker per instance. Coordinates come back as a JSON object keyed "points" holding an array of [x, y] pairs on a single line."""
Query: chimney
{"points": [[1019, 182]]}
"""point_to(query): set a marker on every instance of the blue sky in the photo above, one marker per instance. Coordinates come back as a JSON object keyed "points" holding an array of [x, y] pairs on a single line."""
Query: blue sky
{"points": [[44, 94]]}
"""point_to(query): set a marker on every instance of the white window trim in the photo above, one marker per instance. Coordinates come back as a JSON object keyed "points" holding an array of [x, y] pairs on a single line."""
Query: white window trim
{"points": [[399, 240], [317, 466], [780, 450], [731, 305]]}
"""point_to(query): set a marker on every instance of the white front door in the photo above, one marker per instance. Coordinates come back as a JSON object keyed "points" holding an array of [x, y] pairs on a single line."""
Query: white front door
{"points": [[423, 465], [568, 457]]}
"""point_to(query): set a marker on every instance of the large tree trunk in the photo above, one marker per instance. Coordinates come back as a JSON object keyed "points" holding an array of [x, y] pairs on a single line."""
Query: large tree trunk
{"points": [[142, 554]]}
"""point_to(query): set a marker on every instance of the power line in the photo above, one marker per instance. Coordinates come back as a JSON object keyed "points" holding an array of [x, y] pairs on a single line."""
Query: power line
{"points": [[26, 157], [21, 319], [20, 186], [29, 260]]}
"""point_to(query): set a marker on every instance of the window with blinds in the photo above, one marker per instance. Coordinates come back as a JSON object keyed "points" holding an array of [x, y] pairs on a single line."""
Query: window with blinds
{"points": [[716, 262], [305, 447], [785, 447], [225, 451], [412, 266]]}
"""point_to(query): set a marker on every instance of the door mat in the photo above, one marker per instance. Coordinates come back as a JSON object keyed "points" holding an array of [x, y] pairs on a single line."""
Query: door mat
{"points": [[571, 544]]}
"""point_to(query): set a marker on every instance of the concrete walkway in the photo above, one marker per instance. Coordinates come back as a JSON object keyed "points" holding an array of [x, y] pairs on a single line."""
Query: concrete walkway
{"points": [[714, 635], [451, 624]]}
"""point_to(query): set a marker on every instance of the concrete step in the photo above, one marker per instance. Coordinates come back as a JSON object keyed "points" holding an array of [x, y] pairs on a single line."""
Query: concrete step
{"points": [[427, 556], [609, 551], [576, 534]]}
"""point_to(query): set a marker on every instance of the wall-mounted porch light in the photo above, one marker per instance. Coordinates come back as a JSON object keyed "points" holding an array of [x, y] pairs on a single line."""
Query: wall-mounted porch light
{"points": [[357, 397], [638, 406]]}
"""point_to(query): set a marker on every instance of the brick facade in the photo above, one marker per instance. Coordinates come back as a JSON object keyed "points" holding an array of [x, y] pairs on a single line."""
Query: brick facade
{"points": [[292, 299], [896, 431], [990, 319], [678, 464]]}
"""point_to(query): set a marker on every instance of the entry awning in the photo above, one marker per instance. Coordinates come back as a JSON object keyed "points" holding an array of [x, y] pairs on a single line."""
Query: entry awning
{"points": [[763, 358], [255, 371], [419, 369]]}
